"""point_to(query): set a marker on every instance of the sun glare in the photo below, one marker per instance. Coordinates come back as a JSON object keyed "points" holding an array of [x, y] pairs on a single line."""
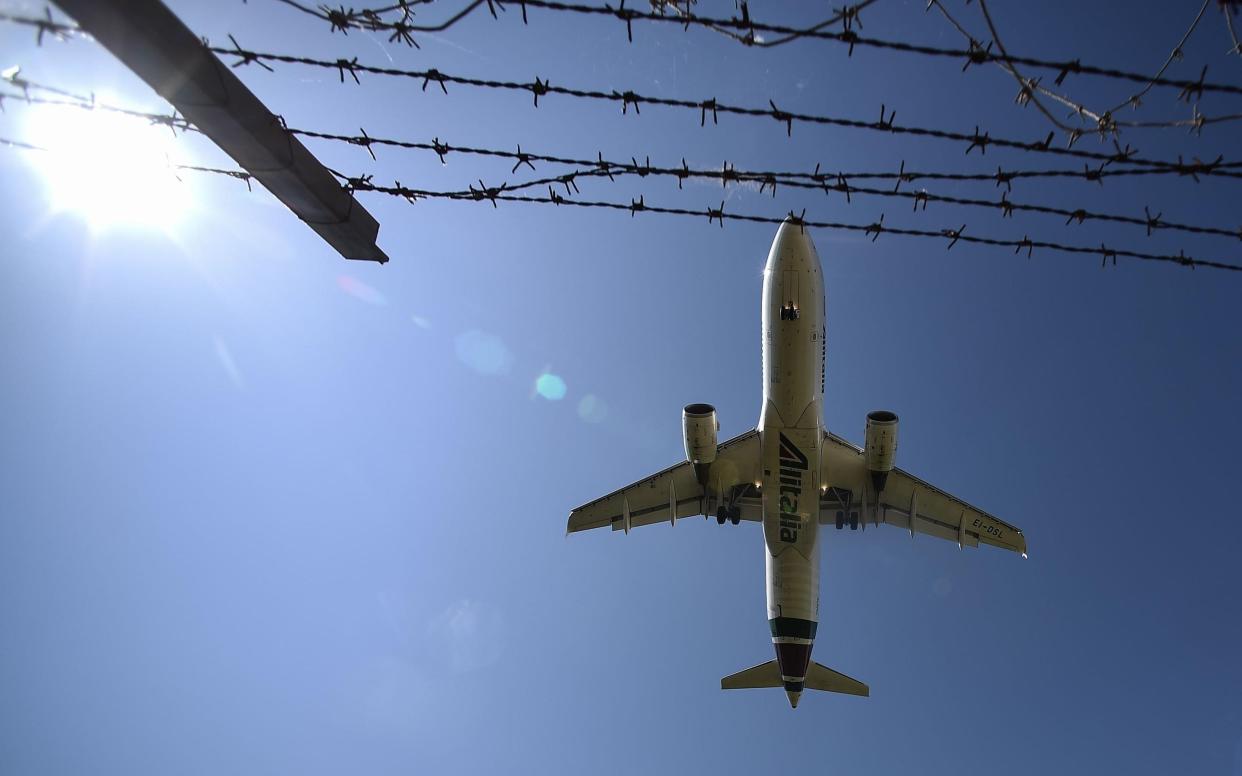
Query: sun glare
{"points": [[109, 168]]}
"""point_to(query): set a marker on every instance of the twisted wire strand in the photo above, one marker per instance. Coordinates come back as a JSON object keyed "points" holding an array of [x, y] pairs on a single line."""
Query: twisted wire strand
{"points": [[506, 192], [1227, 7], [629, 98], [1106, 120], [45, 26], [747, 28], [1174, 55], [1002, 176], [635, 206], [828, 182], [1029, 89], [173, 121], [241, 175], [1104, 123]]}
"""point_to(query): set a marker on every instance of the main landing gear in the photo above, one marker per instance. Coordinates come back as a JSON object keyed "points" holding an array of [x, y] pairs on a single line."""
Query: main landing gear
{"points": [[732, 514], [851, 518]]}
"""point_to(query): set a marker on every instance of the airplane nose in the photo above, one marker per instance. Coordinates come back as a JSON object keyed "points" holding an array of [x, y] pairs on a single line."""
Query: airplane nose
{"points": [[792, 246], [793, 698]]}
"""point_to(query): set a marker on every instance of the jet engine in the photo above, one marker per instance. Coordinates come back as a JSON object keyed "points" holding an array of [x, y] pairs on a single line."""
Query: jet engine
{"points": [[699, 427], [881, 446]]}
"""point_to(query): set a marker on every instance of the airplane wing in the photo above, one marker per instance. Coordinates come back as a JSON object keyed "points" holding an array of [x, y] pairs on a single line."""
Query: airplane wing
{"points": [[675, 492], [906, 502]]}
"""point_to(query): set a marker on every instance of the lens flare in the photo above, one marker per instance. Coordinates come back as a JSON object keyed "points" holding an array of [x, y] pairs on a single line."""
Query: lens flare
{"points": [[550, 387], [592, 409], [482, 352], [225, 357], [361, 291]]}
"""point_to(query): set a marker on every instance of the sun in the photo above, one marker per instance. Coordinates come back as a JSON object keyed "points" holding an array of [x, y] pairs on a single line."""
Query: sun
{"points": [[109, 168]]}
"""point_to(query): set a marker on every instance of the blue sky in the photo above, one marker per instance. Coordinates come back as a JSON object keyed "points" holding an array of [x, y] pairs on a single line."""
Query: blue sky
{"points": [[263, 510]]}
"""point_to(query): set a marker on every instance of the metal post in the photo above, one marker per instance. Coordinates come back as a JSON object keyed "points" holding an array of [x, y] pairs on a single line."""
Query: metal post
{"points": [[155, 44]]}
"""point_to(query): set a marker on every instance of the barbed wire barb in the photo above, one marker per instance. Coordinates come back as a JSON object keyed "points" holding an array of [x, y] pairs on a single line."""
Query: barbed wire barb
{"points": [[1227, 8], [246, 58], [45, 26]]}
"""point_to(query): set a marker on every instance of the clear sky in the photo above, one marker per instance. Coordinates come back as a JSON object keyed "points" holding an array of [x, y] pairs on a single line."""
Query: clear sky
{"points": [[263, 510]]}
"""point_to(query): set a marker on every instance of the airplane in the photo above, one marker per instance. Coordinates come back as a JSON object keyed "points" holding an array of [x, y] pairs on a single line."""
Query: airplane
{"points": [[792, 475]]}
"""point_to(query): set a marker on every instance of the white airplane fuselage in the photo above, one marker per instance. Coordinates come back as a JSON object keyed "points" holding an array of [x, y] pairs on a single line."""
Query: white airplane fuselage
{"points": [[791, 426]]}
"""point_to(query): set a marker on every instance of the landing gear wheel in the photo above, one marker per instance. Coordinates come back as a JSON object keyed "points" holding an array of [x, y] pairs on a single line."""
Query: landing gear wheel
{"points": [[735, 515], [840, 520], [853, 521], [721, 514]]}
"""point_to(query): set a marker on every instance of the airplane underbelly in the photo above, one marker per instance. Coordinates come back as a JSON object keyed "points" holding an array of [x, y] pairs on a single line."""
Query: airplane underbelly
{"points": [[790, 524], [794, 376], [793, 586]]}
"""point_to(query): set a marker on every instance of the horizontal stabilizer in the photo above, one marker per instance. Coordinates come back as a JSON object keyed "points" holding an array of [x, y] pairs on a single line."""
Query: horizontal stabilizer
{"points": [[763, 675], [820, 677]]}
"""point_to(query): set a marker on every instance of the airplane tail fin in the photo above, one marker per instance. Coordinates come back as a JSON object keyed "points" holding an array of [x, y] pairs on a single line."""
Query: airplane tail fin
{"points": [[818, 677]]}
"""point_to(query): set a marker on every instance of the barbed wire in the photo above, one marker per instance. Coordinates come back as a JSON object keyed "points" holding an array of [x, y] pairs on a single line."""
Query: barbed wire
{"points": [[1101, 122], [1174, 55], [828, 182], [747, 29], [840, 182], [837, 181], [719, 215], [1104, 123], [343, 19], [1002, 176], [847, 16], [1027, 95], [173, 121], [507, 192], [20, 144], [405, 7], [628, 98], [369, 18], [1227, 7], [45, 26], [601, 169], [240, 175]]}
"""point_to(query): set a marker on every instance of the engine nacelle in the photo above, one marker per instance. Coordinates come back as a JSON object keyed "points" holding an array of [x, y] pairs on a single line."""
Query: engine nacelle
{"points": [[699, 427], [881, 446]]}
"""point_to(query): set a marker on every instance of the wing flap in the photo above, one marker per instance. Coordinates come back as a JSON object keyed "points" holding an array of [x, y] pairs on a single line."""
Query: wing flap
{"points": [[907, 502], [672, 493]]}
